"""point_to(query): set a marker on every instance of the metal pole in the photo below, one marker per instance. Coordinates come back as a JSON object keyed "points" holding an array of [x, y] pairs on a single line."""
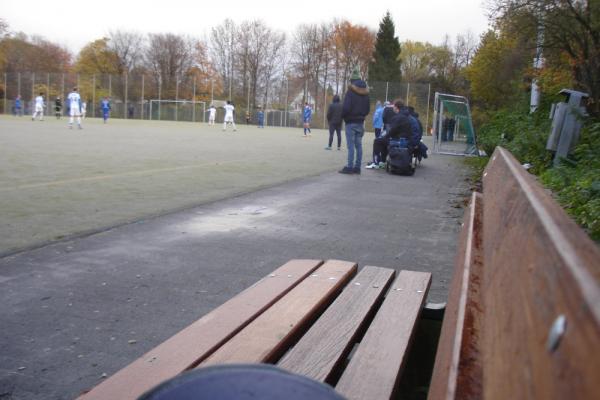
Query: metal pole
{"points": [[325, 106], [194, 99], [427, 117], [5, 91], [109, 86], [62, 88], [142, 100], [125, 113], [19, 84], [212, 91], [159, 93], [387, 86], [176, 99], [32, 86], [48, 90], [248, 101], [287, 93], [407, 90], [94, 95]]}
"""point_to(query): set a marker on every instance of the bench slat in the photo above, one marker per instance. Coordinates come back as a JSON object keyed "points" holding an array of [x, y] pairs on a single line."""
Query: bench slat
{"points": [[183, 350], [269, 335], [319, 352], [458, 373], [375, 368]]}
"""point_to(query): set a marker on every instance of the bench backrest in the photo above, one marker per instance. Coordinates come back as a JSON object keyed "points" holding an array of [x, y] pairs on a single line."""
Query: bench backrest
{"points": [[538, 333]]}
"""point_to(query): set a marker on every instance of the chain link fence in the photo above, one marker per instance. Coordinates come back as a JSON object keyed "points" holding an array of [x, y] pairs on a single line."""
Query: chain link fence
{"points": [[137, 96]]}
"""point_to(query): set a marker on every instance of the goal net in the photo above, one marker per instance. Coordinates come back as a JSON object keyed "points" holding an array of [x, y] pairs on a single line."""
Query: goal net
{"points": [[178, 110], [453, 131]]}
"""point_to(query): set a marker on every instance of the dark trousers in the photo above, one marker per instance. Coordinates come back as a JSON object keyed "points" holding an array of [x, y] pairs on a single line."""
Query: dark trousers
{"points": [[377, 132], [380, 146], [337, 128]]}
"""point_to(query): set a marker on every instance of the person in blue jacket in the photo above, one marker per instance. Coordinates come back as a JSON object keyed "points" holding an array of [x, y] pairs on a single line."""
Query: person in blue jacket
{"points": [[378, 119], [105, 106], [260, 117], [306, 118], [356, 107], [18, 107]]}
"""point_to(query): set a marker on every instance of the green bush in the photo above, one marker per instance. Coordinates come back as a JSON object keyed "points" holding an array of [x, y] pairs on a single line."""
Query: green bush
{"points": [[575, 181]]}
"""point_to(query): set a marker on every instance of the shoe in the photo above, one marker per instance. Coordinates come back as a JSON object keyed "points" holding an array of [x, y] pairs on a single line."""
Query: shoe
{"points": [[339, 149], [327, 148], [381, 165], [372, 166], [356, 170], [346, 170]]}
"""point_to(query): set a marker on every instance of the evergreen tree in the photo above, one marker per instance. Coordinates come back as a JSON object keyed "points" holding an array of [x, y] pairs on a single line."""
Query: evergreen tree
{"points": [[386, 64]]}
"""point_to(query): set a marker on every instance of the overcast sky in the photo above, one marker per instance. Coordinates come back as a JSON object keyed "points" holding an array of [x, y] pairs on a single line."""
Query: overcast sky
{"points": [[76, 23]]}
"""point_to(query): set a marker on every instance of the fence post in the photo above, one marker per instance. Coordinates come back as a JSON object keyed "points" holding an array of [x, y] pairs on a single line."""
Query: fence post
{"points": [[194, 99], [159, 96], [176, 99], [33, 88], [94, 95], [287, 93], [407, 90], [5, 91], [109, 86], [142, 100], [387, 84], [428, 100], [48, 91], [18, 83], [62, 89], [125, 113]]}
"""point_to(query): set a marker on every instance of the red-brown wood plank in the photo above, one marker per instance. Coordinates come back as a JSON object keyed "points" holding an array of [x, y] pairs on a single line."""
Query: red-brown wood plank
{"points": [[457, 372], [539, 265], [271, 334], [318, 354], [375, 368], [183, 350]]}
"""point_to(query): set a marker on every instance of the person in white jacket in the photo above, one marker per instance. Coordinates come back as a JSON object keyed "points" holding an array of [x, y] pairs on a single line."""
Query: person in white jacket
{"points": [[212, 113], [74, 102], [229, 109], [39, 108]]}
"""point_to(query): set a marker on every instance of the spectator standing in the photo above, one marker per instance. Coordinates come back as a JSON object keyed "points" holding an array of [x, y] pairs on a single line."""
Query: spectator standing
{"points": [[260, 118], [105, 106], [306, 118], [356, 107], [18, 106], [378, 119], [334, 120]]}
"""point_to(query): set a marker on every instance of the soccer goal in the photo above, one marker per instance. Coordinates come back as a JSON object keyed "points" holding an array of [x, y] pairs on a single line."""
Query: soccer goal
{"points": [[178, 110], [453, 131]]}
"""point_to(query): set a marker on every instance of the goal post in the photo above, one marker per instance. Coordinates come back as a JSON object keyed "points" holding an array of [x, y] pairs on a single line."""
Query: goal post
{"points": [[177, 110]]}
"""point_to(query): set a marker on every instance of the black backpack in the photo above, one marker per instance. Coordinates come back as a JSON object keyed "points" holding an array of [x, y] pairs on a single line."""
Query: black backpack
{"points": [[399, 161]]}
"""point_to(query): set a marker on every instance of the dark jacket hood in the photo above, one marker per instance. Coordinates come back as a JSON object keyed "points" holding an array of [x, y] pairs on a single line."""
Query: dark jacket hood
{"points": [[359, 87]]}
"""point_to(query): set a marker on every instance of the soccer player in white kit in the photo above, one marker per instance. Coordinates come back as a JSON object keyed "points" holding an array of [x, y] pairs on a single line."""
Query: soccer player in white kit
{"points": [[229, 116], [212, 113], [74, 102], [39, 107]]}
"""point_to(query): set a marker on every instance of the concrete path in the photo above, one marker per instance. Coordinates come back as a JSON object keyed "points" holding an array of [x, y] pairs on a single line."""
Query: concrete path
{"points": [[76, 310]]}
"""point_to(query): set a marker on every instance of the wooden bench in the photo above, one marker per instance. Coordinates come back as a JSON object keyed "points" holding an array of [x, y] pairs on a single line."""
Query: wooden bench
{"points": [[269, 323], [523, 313], [522, 269]]}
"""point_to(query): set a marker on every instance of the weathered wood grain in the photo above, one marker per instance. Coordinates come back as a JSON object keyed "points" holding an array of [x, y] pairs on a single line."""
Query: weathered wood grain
{"points": [[457, 372], [539, 265], [375, 368], [271, 334], [329, 341], [200, 339]]}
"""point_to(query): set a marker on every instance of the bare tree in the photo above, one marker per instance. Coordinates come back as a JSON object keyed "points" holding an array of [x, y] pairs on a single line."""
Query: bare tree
{"points": [[129, 47], [222, 50], [170, 58]]}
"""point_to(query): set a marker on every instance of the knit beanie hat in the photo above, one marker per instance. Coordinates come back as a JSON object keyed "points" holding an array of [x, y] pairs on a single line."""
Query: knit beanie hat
{"points": [[355, 74]]}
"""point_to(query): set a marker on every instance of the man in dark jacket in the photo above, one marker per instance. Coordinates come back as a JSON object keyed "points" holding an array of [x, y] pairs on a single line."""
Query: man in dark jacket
{"points": [[356, 107], [334, 119]]}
